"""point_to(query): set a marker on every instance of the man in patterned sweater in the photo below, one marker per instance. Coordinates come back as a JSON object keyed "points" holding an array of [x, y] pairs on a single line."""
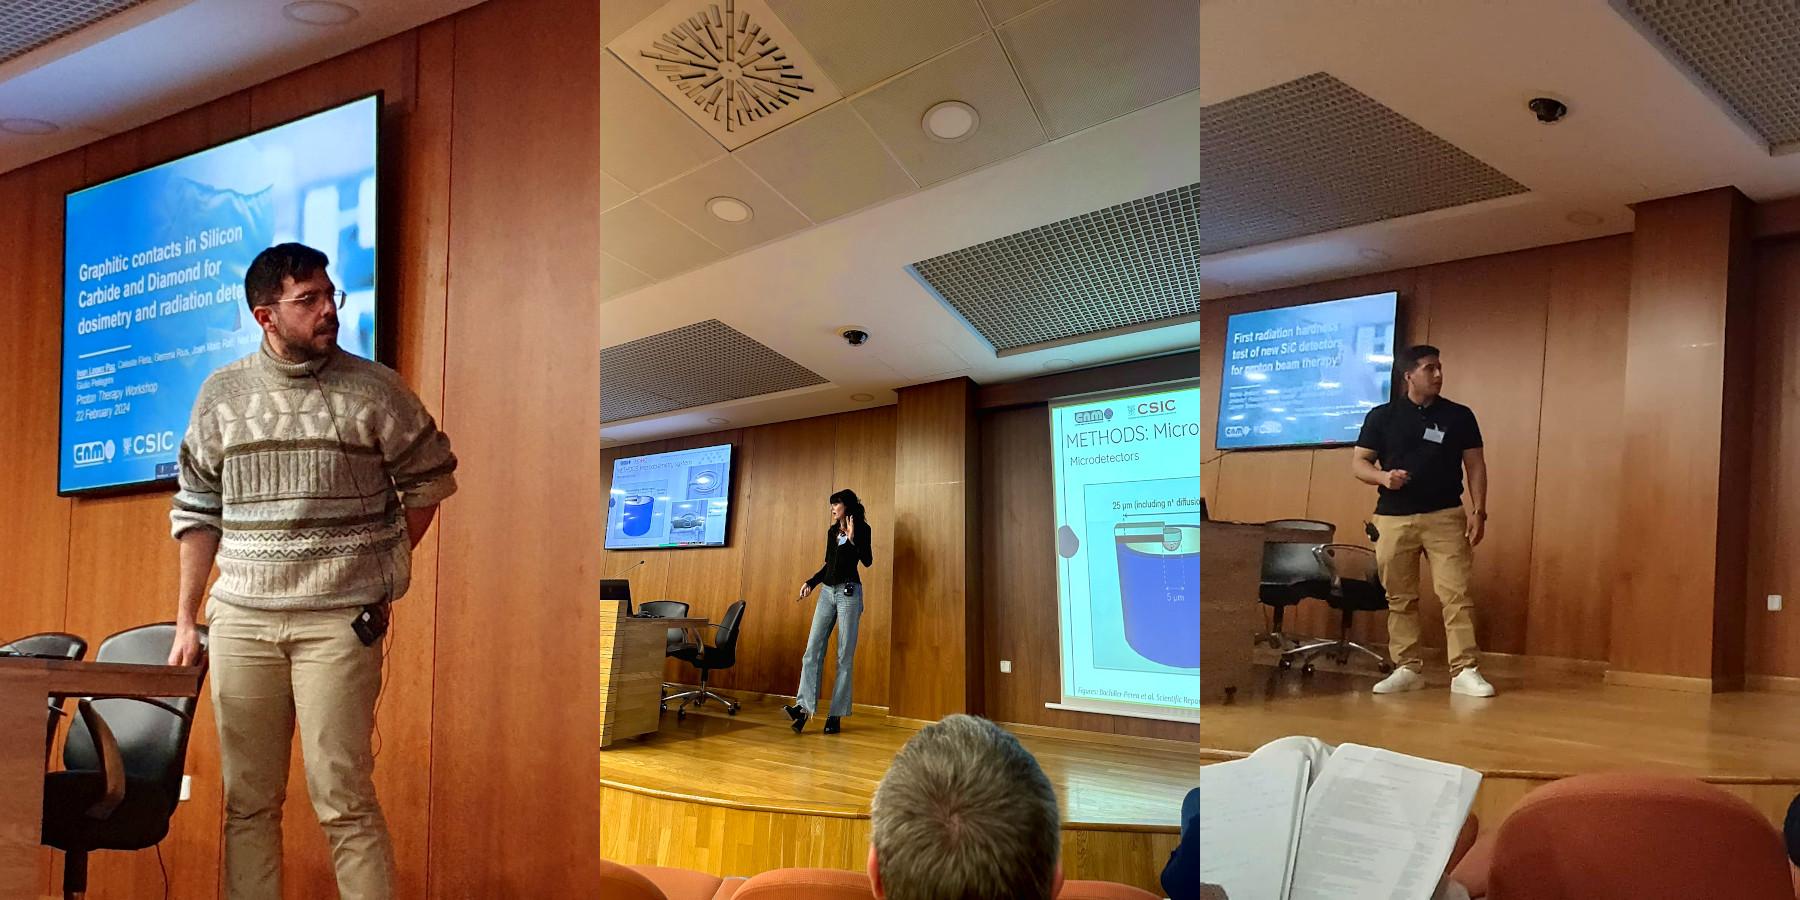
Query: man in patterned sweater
{"points": [[308, 474]]}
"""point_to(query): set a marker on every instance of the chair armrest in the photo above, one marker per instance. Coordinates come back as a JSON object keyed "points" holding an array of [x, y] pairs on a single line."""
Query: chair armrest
{"points": [[112, 764]]}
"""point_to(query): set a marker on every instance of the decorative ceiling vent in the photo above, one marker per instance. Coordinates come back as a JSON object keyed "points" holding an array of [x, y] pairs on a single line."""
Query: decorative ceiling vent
{"points": [[731, 66], [694, 365], [1134, 265], [26, 25]]}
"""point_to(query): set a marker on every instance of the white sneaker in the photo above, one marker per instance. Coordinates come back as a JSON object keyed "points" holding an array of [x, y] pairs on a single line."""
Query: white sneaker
{"points": [[1403, 679], [1469, 681]]}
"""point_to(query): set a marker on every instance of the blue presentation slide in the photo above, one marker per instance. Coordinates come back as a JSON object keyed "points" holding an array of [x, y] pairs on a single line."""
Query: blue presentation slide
{"points": [[1305, 375], [1127, 481], [153, 281], [674, 499]]}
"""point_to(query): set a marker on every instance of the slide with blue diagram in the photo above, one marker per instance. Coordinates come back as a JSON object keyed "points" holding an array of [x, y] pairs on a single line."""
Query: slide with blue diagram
{"points": [[1127, 498], [153, 296], [675, 499]]}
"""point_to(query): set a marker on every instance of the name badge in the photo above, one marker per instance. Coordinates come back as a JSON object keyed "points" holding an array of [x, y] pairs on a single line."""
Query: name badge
{"points": [[1434, 434]]}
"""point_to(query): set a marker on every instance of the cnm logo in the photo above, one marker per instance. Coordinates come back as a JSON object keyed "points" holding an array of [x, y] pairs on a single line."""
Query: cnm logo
{"points": [[1237, 431], [1090, 416]]}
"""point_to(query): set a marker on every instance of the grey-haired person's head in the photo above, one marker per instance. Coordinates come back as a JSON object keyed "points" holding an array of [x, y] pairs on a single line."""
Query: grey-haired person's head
{"points": [[964, 811]]}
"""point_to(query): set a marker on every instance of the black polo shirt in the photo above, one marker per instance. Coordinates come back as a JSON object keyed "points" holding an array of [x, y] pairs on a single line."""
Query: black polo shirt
{"points": [[1428, 442]]}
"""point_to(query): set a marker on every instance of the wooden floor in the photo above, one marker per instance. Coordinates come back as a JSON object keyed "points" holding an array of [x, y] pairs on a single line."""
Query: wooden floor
{"points": [[1550, 719], [739, 795]]}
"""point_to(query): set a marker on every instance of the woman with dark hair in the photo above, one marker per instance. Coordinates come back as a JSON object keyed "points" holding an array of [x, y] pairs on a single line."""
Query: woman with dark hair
{"points": [[840, 604]]}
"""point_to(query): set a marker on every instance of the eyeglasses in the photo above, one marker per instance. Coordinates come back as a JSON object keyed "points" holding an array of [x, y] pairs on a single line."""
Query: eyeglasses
{"points": [[314, 300]]}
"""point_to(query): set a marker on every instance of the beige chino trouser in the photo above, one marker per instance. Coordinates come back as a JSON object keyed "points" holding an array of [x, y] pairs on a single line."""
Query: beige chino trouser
{"points": [[269, 671], [1442, 538]]}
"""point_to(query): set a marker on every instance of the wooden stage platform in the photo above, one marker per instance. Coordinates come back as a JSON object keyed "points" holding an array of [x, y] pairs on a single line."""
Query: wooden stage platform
{"points": [[741, 795], [1551, 719]]}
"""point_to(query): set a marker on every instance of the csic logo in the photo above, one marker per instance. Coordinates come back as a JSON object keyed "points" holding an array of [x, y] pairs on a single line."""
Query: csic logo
{"points": [[93, 453], [149, 444], [1153, 408], [1092, 416]]}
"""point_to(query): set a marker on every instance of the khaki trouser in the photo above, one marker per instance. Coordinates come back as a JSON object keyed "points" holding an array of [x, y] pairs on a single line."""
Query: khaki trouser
{"points": [[1441, 536], [270, 669]]}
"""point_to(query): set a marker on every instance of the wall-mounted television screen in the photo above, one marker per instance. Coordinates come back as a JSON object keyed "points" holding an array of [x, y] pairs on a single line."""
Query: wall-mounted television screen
{"points": [[669, 500], [153, 281], [1305, 376]]}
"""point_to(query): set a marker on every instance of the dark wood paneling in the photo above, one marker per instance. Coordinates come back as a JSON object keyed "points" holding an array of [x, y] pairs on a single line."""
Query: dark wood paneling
{"points": [[1772, 639], [936, 652], [1580, 439], [865, 464], [514, 737], [1675, 450]]}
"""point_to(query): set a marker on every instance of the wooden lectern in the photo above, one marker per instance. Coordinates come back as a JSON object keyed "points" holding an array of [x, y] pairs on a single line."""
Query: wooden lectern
{"points": [[631, 670], [1230, 615], [26, 686]]}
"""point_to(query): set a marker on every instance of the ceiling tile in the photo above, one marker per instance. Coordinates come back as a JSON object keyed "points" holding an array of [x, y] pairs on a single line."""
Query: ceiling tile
{"points": [[618, 278], [1086, 61], [645, 141], [860, 42], [1000, 10], [641, 236], [612, 193], [827, 164], [617, 16], [976, 73], [694, 365], [730, 66], [684, 199], [28, 26]]}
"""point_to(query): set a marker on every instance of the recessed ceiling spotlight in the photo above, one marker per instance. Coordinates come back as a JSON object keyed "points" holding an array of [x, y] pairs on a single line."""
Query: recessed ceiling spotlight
{"points": [[950, 121], [715, 420], [1373, 255], [1583, 217], [862, 398], [320, 12], [28, 126], [1058, 363], [729, 209]]}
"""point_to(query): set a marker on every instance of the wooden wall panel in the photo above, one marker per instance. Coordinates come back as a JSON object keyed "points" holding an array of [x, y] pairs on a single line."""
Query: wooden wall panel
{"points": [[865, 464], [786, 498], [1678, 445], [1580, 440], [936, 646], [1772, 639], [517, 633], [1487, 316]]}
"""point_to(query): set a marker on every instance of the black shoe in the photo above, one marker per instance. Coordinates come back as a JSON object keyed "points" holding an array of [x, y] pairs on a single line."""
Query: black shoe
{"points": [[831, 725], [798, 714]]}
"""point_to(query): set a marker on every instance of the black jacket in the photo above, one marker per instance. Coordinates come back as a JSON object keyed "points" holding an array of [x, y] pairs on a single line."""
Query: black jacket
{"points": [[841, 559]]}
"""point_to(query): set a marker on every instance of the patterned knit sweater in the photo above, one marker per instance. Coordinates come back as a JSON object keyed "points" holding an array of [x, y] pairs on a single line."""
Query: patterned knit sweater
{"points": [[304, 469]]}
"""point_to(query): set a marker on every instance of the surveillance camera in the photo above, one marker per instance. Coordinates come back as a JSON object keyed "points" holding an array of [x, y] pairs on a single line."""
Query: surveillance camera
{"points": [[855, 337], [1547, 109]]}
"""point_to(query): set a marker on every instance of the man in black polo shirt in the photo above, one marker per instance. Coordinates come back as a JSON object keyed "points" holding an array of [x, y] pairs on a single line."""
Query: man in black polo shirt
{"points": [[1415, 450]]}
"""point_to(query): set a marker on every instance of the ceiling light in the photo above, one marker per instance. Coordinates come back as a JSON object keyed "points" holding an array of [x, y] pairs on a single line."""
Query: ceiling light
{"points": [[862, 398], [950, 121], [28, 126], [729, 209], [715, 420], [1058, 363], [320, 12], [1583, 217], [1373, 255]]}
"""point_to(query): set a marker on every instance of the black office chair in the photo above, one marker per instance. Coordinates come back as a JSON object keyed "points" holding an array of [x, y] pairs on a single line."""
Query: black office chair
{"points": [[123, 763], [721, 655], [48, 645], [1290, 573], [1355, 586], [668, 609]]}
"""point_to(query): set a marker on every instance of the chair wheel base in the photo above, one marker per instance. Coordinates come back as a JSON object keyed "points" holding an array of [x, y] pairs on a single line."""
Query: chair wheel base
{"points": [[1385, 668], [681, 715], [1307, 669], [731, 710], [1286, 663]]}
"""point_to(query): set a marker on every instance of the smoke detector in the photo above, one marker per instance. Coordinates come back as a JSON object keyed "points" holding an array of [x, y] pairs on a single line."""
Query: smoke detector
{"points": [[730, 66]]}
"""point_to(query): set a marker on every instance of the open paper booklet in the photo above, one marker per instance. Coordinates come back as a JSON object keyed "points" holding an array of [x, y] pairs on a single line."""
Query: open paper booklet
{"points": [[1297, 820]]}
